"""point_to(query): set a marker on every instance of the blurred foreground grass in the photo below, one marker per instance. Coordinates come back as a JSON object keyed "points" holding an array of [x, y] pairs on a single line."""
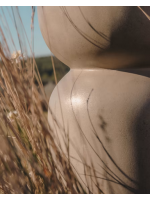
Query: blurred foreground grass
{"points": [[30, 160]]}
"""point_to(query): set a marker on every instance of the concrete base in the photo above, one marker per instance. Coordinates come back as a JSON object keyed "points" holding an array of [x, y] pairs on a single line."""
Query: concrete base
{"points": [[102, 118]]}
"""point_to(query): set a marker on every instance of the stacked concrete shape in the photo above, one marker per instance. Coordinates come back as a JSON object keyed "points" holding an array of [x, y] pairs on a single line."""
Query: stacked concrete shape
{"points": [[100, 111]]}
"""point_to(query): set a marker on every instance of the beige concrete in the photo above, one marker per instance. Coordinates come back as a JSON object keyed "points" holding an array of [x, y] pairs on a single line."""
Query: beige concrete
{"points": [[105, 113], [118, 38]]}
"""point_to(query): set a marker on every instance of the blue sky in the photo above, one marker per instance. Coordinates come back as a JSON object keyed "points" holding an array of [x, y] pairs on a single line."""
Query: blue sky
{"points": [[40, 48]]}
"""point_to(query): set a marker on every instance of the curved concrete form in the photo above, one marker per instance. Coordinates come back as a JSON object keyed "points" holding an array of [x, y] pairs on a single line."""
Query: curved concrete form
{"points": [[100, 111]]}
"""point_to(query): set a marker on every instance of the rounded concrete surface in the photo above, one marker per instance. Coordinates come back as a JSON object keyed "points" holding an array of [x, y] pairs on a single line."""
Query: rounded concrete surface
{"points": [[105, 114], [101, 116], [97, 37]]}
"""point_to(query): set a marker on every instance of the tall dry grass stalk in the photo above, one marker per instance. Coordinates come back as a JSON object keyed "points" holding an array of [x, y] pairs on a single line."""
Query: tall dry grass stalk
{"points": [[30, 161]]}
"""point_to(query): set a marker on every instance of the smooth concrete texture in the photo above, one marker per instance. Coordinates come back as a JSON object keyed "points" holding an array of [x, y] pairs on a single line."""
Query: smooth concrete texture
{"points": [[97, 37], [106, 116], [100, 111]]}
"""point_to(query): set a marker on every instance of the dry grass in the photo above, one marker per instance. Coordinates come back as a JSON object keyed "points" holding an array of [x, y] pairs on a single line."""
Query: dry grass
{"points": [[30, 161]]}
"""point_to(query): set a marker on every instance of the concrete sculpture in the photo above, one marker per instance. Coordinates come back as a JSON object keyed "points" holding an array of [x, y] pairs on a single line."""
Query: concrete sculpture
{"points": [[100, 111]]}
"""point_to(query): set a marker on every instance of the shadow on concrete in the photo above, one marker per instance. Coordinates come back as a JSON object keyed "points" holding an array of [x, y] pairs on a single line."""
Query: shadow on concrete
{"points": [[142, 139]]}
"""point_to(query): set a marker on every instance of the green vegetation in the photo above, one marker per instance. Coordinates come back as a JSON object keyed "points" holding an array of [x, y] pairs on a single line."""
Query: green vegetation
{"points": [[46, 70]]}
